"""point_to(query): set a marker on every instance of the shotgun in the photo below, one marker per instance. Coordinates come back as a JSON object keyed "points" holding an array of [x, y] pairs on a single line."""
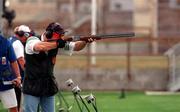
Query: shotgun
{"points": [[96, 37]]}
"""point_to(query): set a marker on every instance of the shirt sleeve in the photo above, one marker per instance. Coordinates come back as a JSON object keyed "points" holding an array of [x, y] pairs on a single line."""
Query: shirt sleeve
{"points": [[10, 54], [18, 49], [68, 49], [29, 48]]}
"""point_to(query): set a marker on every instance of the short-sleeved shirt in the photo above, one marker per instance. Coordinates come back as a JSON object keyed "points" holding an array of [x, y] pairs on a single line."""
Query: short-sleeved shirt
{"points": [[29, 49], [19, 51], [18, 47], [7, 55]]}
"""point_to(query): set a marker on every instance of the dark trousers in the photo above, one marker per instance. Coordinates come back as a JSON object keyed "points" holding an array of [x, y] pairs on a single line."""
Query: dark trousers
{"points": [[18, 96]]}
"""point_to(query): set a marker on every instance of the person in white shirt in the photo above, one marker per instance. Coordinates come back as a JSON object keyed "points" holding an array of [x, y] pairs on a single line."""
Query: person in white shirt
{"points": [[18, 40]]}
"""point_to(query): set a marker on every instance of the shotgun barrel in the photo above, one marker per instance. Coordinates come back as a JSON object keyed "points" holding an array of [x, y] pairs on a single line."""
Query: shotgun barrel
{"points": [[99, 36]]}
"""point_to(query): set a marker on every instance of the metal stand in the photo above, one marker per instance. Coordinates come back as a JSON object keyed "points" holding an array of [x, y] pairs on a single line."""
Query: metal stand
{"points": [[61, 100]]}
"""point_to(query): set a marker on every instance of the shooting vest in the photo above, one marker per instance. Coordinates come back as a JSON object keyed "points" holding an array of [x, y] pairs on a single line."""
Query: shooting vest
{"points": [[39, 79], [5, 69]]}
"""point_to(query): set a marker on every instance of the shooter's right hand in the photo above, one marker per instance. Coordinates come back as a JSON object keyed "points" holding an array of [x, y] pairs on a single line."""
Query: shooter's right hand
{"points": [[60, 43]]}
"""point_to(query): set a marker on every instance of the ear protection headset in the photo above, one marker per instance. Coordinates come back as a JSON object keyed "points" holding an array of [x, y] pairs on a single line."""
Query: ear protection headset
{"points": [[22, 33], [54, 30], [49, 34]]}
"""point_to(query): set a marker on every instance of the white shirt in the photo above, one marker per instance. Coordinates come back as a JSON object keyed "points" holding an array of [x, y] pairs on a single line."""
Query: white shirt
{"points": [[29, 49], [18, 48]]}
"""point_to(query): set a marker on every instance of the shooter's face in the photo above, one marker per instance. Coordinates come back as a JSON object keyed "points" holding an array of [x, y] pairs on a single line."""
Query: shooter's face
{"points": [[57, 36]]}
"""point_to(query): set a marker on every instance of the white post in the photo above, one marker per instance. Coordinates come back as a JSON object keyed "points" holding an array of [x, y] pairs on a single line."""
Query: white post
{"points": [[155, 25], [93, 29], [72, 2]]}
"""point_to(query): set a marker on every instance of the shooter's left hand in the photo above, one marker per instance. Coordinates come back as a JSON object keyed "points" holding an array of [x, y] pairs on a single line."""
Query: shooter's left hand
{"points": [[90, 40]]}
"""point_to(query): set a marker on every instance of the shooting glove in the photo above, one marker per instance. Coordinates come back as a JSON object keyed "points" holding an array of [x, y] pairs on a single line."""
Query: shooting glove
{"points": [[60, 43]]}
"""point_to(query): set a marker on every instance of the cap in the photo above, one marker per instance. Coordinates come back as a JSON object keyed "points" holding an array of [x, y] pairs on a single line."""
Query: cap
{"points": [[55, 27], [24, 28]]}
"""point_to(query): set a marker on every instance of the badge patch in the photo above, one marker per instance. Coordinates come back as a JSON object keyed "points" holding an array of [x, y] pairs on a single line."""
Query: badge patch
{"points": [[3, 60]]}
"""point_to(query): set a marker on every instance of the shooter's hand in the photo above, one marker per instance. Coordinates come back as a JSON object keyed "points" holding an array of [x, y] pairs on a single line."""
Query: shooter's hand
{"points": [[90, 40], [60, 43]]}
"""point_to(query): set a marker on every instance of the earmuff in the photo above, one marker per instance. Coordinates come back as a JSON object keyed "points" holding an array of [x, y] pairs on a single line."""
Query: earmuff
{"points": [[21, 34], [49, 34]]}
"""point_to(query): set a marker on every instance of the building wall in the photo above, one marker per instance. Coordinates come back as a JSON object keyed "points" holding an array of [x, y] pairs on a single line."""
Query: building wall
{"points": [[116, 79], [169, 16], [33, 10]]}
